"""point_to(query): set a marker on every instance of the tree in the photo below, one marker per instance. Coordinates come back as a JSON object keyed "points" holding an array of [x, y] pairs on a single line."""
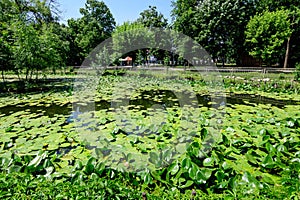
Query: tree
{"points": [[96, 25], [152, 18], [292, 48], [130, 37], [183, 13], [266, 35], [28, 40], [272, 5], [218, 25], [73, 29], [37, 11], [35, 50], [6, 40]]}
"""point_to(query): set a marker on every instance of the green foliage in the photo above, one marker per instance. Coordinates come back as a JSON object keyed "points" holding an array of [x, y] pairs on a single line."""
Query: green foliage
{"points": [[151, 18], [256, 155], [85, 33], [217, 25], [36, 50], [6, 15], [264, 85], [139, 57], [131, 38], [167, 60], [250, 151], [293, 8], [297, 73], [279, 4], [28, 40], [184, 14], [266, 35]]}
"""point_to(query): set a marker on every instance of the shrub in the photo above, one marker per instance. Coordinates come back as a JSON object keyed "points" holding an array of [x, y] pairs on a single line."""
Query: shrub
{"points": [[297, 73]]}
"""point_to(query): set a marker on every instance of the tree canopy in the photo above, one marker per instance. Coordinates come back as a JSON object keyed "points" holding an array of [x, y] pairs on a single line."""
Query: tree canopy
{"points": [[218, 25], [266, 35], [96, 24], [152, 18], [33, 40], [28, 40]]}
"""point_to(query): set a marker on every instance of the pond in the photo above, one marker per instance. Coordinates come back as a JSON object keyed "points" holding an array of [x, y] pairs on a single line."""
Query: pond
{"points": [[164, 98], [151, 125]]}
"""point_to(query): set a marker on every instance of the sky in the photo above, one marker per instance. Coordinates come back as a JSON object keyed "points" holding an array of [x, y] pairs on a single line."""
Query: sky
{"points": [[122, 10]]}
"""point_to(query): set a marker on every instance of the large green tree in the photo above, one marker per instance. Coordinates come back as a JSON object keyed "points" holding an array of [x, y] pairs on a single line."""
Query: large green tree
{"points": [[183, 13], [292, 44], [218, 25], [28, 40], [6, 40], [36, 50], [96, 24], [152, 18], [131, 38], [266, 35], [37, 11], [273, 5]]}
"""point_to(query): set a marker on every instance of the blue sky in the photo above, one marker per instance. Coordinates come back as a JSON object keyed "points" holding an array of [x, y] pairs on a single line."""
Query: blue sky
{"points": [[122, 10]]}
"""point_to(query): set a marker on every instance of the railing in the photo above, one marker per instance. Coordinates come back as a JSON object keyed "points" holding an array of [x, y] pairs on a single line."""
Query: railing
{"points": [[263, 70]]}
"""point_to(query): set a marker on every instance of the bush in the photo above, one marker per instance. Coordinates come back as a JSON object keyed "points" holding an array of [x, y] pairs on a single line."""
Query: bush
{"points": [[297, 73]]}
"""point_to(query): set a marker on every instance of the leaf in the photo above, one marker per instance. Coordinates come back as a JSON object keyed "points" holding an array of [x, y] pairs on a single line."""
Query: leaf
{"points": [[290, 124], [49, 171], [225, 140], [154, 158], [250, 158], [90, 166], [220, 175], [193, 171], [37, 160], [94, 176], [268, 179], [226, 166], [248, 178], [268, 162], [186, 163], [208, 162], [204, 133], [270, 148], [78, 165], [167, 155], [9, 129], [77, 177], [173, 168], [263, 131], [203, 175], [189, 183], [147, 178]]}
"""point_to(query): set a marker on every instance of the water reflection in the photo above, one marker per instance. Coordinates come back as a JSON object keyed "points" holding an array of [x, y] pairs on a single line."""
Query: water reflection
{"points": [[147, 99]]}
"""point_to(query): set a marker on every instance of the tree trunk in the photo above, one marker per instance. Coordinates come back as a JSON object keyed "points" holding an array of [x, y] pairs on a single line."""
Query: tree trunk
{"points": [[287, 53], [27, 73], [3, 76]]}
